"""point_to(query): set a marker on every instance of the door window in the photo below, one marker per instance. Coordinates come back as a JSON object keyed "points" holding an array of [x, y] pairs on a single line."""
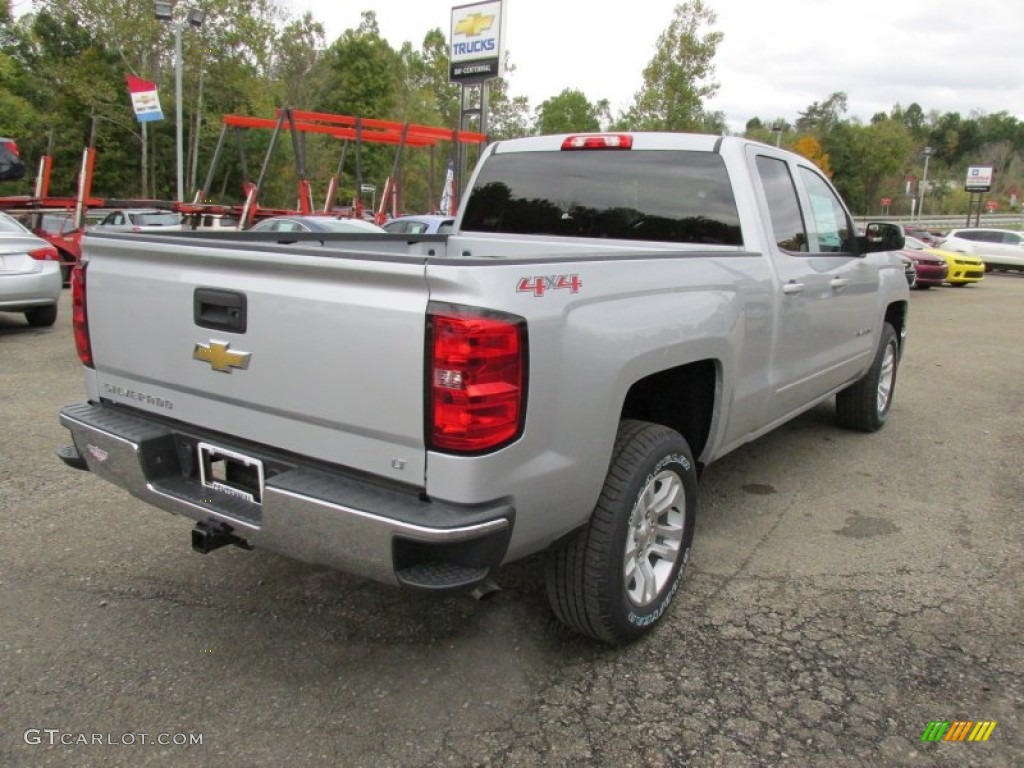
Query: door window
{"points": [[831, 224], [783, 204]]}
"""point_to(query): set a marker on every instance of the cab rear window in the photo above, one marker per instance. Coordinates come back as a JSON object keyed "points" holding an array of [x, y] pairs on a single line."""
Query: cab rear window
{"points": [[668, 196]]}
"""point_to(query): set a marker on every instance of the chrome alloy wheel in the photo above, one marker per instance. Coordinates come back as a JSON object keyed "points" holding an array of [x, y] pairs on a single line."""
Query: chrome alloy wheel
{"points": [[655, 536], [886, 375]]}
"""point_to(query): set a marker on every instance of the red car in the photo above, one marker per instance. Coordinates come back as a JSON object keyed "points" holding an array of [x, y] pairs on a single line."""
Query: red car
{"points": [[931, 269]]}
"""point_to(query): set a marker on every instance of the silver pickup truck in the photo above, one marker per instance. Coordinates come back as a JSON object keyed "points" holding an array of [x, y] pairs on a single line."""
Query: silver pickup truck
{"points": [[612, 313]]}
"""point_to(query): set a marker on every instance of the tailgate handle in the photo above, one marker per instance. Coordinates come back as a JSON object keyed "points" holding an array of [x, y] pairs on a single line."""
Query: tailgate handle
{"points": [[219, 310]]}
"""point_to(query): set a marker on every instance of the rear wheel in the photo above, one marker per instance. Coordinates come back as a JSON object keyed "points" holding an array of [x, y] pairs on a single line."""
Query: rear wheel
{"points": [[616, 577], [865, 405], [41, 317]]}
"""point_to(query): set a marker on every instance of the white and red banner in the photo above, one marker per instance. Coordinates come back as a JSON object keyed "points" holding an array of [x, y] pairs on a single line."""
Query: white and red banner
{"points": [[145, 99], [447, 204]]}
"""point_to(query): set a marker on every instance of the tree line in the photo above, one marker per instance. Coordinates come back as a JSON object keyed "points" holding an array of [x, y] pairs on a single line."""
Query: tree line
{"points": [[62, 73]]}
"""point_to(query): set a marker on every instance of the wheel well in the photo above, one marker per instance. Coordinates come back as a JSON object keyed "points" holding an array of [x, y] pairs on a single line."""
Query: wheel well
{"points": [[681, 398], [896, 316]]}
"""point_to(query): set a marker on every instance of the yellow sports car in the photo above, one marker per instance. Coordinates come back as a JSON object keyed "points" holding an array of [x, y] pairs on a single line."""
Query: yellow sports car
{"points": [[963, 267]]}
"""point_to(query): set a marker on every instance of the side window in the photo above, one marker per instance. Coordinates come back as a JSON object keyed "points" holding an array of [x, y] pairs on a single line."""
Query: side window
{"points": [[831, 223], [783, 205]]}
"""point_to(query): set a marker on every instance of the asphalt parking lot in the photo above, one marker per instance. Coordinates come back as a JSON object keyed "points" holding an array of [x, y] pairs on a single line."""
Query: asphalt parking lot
{"points": [[845, 592]]}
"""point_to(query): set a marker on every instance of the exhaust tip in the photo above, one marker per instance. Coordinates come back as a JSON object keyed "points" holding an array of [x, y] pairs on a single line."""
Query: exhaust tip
{"points": [[485, 589]]}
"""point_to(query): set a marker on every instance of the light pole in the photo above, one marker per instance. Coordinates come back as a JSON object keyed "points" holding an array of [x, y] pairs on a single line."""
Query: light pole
{"points": [[777, 128], [927, 152], [164, 11]]}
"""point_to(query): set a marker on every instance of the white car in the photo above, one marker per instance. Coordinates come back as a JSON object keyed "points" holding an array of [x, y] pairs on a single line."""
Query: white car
{"points": [[30, 280], [999, 248], [140, 220]]}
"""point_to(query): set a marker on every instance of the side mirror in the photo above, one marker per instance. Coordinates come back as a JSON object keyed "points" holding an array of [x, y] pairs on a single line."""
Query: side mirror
{"points": [[881, 236]]}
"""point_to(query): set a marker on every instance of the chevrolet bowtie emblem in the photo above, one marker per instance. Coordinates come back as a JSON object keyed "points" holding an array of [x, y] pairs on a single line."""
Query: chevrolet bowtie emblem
{"points": [[474, 24], [220, 358]]}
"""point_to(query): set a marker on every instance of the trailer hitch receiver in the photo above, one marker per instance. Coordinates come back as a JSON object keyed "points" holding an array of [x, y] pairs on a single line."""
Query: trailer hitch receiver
{"points": [[212, 534]]}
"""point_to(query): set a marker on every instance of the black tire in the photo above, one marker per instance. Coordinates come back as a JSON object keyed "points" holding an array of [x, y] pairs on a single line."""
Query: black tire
{"points": [[42, 317], [594, 587], [865, 405]]}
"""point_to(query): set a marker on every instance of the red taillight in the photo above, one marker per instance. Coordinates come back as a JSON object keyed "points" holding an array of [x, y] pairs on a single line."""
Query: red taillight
{"points": [[12, 148], [46, 253], [80, 315], [599, 141], [477, 384]]}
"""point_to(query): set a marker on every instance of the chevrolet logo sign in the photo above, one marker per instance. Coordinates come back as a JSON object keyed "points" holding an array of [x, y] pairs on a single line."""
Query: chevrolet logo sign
{"points": [[474, 24], [220, 358]]}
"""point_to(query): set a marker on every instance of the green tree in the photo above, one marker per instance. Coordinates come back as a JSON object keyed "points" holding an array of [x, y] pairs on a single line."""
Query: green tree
{"points": [[821, 118], [568, 112], [510, 117], [680, 77], [866, 160], [299, 78]]}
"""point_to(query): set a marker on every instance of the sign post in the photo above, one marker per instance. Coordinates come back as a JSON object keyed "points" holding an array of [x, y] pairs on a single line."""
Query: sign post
{"points": [[979, 181], [476, 51]]}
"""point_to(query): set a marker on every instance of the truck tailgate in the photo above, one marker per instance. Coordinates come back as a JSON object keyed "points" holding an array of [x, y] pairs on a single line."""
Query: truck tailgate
{"points": [[312, 351]]}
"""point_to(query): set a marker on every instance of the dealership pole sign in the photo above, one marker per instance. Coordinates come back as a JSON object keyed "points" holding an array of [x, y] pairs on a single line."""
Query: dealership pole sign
{"points": [[979, 179], [477, 42]]}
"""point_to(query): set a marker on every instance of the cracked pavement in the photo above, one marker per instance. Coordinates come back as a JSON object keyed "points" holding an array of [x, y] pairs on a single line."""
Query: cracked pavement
{"points": [[844, 591]]}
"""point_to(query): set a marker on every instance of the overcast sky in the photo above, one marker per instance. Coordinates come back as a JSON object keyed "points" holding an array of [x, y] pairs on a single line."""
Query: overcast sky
{"points": [[776, 57]]}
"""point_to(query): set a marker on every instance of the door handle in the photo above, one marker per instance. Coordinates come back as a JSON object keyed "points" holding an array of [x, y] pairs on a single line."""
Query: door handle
{"points": [[838, 282], [219, 310], [792, 287]]}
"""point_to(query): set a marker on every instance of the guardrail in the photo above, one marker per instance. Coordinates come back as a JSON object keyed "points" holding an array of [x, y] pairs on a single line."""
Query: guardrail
{"points": [[945, 223]]}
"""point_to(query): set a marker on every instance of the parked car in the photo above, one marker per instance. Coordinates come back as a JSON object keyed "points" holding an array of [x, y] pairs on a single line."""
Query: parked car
{"points": [[139, 220], [58, 229], [29, 274], [963, 267], [426, 224], [999, 248], [922, 234], [931, 269], [216, 222], [314, 224], [909, 270], [11, 166]]}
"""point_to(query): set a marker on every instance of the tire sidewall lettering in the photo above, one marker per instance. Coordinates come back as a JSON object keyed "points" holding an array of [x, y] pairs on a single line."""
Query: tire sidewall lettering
{"points": [[659, 607]]}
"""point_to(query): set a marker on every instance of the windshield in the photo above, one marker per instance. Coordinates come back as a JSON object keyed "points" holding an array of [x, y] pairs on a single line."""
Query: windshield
{"points": [[348, 225], [157, 219]]}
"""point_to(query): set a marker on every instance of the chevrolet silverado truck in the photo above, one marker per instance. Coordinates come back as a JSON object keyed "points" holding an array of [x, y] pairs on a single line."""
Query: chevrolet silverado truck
{"points": [[611, 313]]}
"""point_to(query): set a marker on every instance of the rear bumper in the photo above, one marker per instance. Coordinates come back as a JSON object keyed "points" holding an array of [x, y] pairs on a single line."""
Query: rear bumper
{"points": [[21, 291], [316, 514]]}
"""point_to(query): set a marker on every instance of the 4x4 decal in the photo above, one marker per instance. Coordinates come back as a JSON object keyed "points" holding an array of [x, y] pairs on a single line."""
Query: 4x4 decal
{"points": [[541, 284]]}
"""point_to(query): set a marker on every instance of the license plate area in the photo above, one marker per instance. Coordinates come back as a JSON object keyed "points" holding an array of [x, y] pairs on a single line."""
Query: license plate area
{"points": [[231, 472]]}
